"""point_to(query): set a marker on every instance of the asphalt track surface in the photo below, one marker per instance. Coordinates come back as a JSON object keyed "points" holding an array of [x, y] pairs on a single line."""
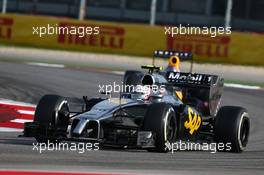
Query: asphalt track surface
{"points": [[28, 83]]}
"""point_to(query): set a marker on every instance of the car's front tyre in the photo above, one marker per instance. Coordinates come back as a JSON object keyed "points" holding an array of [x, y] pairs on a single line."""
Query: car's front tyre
{"points": [[160, 119], [52, 115]]}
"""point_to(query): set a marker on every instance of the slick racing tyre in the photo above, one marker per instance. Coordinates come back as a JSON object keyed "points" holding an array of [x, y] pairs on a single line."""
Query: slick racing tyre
{"points": [[232, 126], [161, 120], [52, 112]]}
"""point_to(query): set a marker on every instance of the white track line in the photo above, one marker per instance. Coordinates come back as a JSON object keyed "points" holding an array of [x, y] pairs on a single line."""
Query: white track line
{"points": [[118, 72], [5, 129], [12, 102], [26, 112], [46, 64], [20, 120], [241, 86]]}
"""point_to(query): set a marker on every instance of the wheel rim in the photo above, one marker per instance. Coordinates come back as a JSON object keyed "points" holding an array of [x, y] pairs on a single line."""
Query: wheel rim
{"points": [[244, 133], [60, 115], [170, 128]]}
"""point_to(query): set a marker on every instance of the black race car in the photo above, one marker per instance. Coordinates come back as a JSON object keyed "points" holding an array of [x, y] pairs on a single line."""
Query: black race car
{"points": [[175, 106]]}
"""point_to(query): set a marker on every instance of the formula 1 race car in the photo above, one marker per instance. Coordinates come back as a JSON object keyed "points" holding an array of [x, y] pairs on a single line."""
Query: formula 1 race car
{"points": [[175, 106]]}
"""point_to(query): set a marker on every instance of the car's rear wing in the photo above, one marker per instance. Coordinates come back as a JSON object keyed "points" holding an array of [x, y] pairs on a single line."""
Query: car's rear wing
{"points": [[167, 54], [183, 79], [184, 56], [207, 88]]}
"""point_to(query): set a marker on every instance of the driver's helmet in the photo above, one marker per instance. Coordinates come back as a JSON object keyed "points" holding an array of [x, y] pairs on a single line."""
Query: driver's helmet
{"points": [[145, 92], [174, 64]]}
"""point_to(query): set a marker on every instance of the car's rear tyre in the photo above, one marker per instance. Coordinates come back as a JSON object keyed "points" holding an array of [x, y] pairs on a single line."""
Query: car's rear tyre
{"points": [[232, 126], [52, 112], [161, 120]]}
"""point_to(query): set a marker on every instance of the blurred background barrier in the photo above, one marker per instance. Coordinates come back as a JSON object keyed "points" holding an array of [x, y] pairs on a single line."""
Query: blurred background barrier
{"points": [[132, 39], [242, 15]]}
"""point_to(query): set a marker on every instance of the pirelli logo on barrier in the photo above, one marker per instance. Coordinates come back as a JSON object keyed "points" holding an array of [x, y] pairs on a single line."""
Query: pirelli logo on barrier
{"points": [[6, 25], [131, 39], [200, 45], [109, 37]]}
